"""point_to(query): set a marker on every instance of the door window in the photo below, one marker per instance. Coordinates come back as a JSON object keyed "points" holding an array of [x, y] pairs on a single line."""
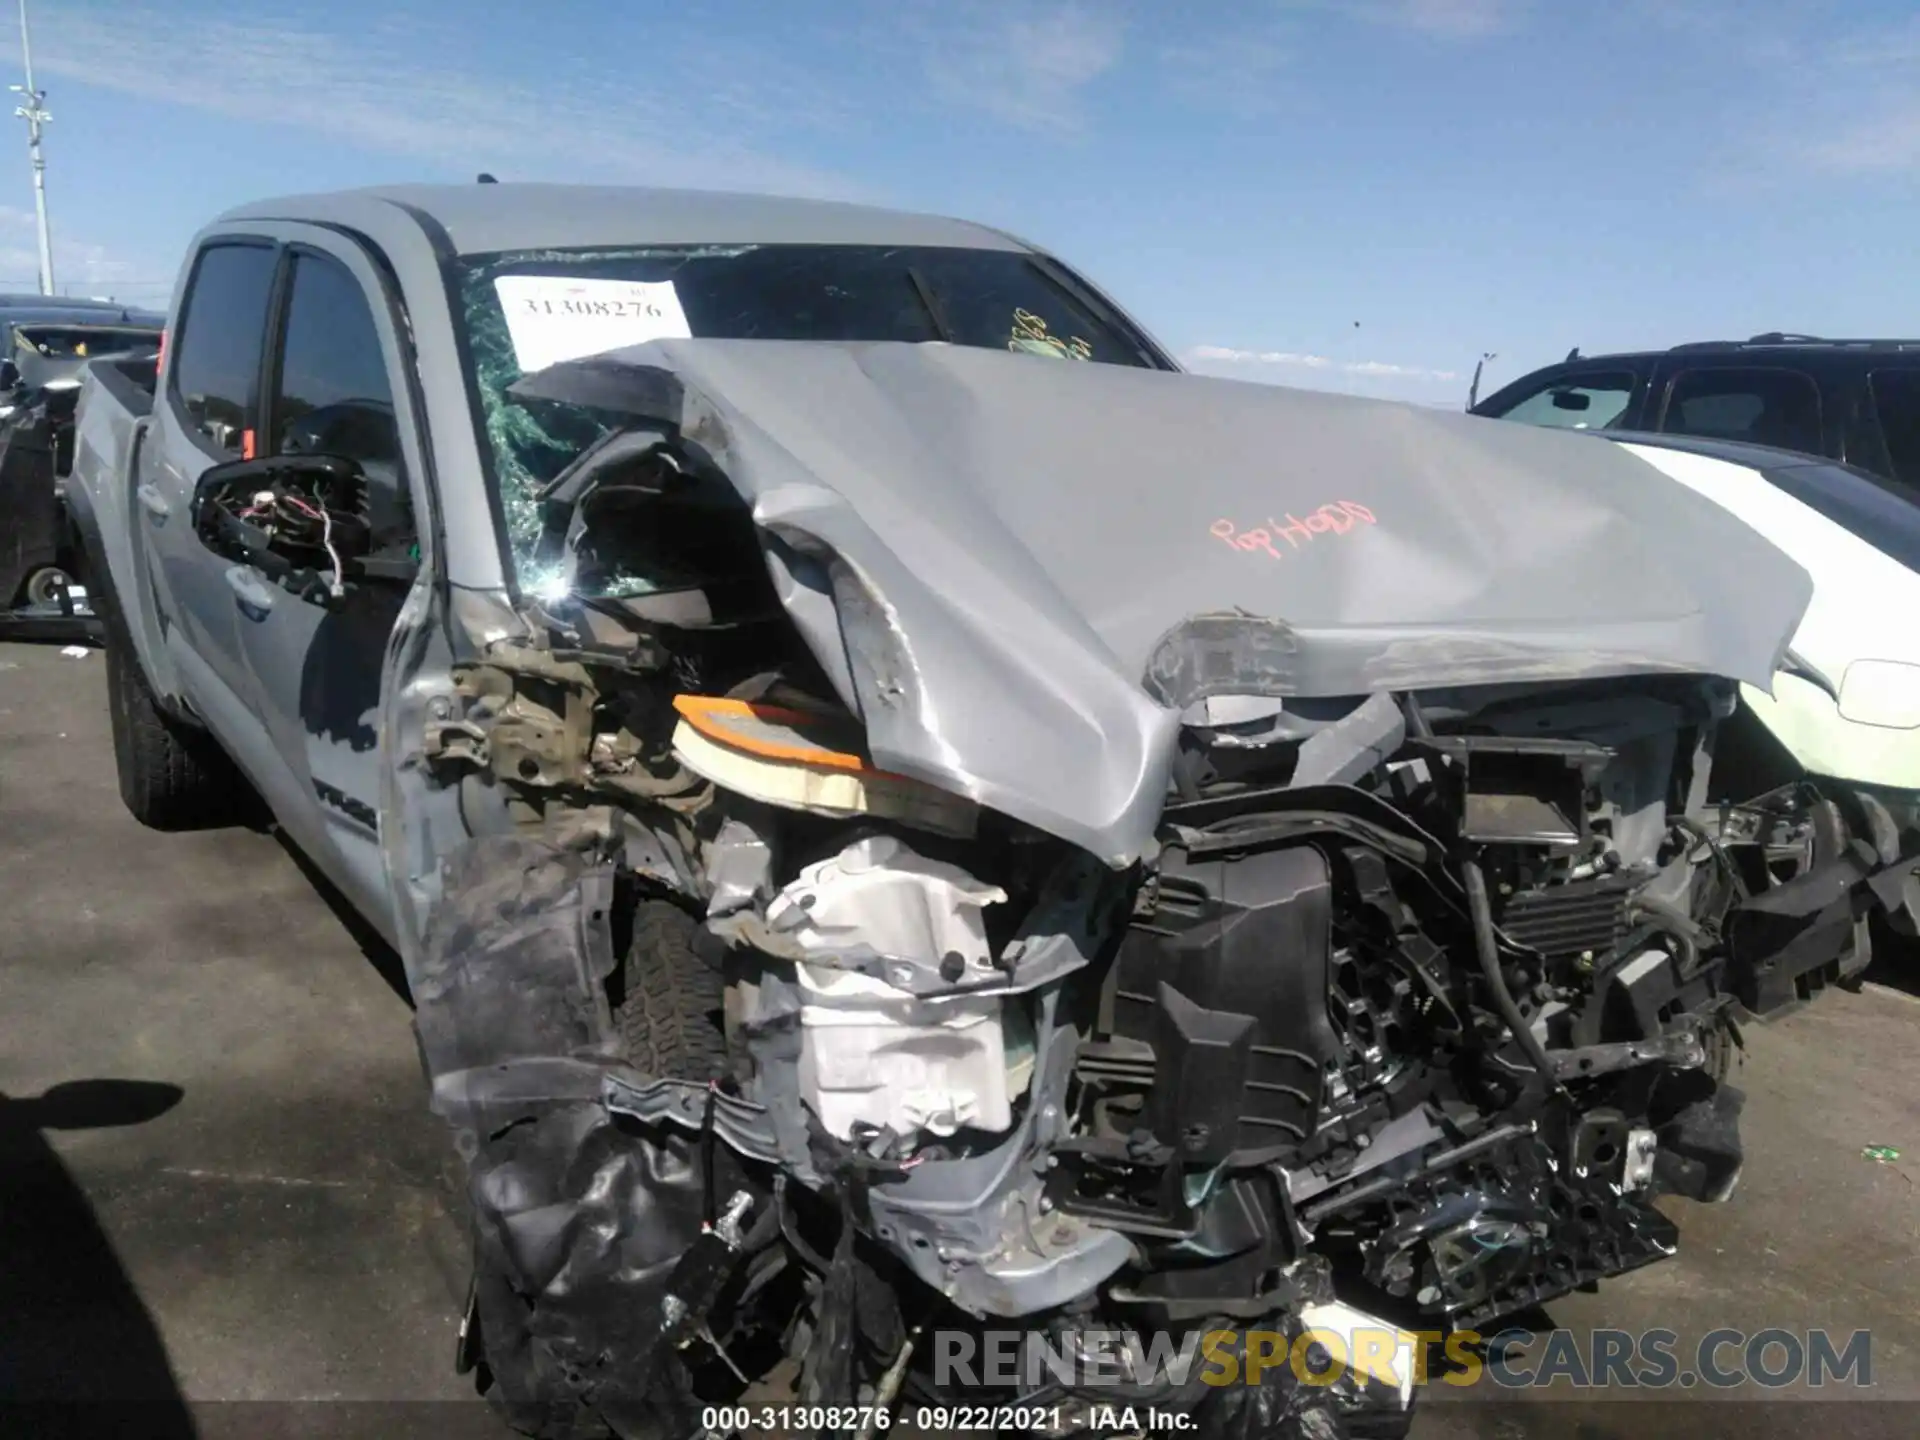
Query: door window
{"points": [[216, 368], [1580, 402], [332, 394], [1896, 401], [1761, 406]]}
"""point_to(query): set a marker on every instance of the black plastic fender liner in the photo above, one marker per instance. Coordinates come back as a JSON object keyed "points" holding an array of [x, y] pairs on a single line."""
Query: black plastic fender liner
{"points": [[579, 1217], [516, 958], [578, 1227]]}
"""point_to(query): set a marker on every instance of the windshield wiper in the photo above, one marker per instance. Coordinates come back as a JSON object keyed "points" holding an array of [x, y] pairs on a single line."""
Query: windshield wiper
{"points": [[1798, 665], [935, 312]]}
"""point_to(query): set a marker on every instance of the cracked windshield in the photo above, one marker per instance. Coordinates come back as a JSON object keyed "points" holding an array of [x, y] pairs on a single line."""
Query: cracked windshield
{"points": [[522, 314]]}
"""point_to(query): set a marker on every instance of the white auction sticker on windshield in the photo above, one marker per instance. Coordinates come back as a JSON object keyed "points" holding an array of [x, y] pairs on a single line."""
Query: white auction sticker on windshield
{"points": [[552, 318]]}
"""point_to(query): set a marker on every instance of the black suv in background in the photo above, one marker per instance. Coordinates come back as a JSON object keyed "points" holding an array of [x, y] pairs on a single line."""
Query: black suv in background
{"points": [[1851, 400]]}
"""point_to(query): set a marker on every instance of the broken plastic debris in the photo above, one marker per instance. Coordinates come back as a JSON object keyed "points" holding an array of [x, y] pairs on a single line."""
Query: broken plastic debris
{"points": [[76, 652], [871, 1053], [902, 905], [794, 769], [1881, 1154]]}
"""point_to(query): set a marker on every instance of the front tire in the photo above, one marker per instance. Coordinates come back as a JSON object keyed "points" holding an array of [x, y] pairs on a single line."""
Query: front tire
{"points": [[667, 1000], [171, 777]]}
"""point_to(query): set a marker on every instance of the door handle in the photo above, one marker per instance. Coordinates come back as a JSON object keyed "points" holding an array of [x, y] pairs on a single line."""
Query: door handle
{"points": [[152, 501], [252, 592]]}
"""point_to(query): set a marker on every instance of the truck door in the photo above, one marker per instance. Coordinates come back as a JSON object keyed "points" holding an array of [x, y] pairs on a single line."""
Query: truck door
{"points": [[330, 389], [205, 415]]}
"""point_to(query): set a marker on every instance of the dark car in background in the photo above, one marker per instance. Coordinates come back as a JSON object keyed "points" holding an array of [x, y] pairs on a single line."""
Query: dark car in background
{"points": [[1856, 401], [45, 344]]}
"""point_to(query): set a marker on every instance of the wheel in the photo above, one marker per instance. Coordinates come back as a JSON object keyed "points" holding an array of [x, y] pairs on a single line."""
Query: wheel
{"points": [[667, 1000], [43, 586], [171, 778]]}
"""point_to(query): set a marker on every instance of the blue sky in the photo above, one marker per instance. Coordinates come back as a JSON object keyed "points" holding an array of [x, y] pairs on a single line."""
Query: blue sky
{"points": [[1348, 194]]}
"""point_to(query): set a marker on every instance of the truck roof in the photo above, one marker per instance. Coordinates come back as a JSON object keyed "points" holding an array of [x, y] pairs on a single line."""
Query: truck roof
{"points": [[1774, 342], [484, 218]]}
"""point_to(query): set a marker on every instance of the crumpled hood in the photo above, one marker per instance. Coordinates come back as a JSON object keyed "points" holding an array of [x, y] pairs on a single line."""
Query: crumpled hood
{"points": [[1019, 571]]}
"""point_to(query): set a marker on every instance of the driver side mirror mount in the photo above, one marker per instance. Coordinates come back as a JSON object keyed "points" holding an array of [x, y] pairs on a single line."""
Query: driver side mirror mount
{"points": [[301, 520]]}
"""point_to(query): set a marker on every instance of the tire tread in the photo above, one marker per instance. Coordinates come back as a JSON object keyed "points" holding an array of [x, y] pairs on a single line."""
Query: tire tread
{"points": [[170, 777], [669, 998]]}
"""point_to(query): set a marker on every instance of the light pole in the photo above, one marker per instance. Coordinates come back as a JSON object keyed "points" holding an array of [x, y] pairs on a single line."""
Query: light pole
{"points": [[1473, 390], [33, 110]]}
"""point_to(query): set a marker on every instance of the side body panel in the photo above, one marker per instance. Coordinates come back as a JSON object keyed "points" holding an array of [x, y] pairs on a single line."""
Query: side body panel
{"points": [[109, 425]]}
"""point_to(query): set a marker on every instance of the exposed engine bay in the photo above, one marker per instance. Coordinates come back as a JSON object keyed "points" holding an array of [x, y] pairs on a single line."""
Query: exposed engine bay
{"points": [[760, 1049]]}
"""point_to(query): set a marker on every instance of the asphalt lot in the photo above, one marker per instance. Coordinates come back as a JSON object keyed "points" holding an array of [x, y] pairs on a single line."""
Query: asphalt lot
{"points": [[238, 1195], [278, 1225]]}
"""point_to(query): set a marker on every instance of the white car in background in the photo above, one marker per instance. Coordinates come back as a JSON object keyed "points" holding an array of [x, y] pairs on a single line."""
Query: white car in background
{"points": [[1848, 712]]}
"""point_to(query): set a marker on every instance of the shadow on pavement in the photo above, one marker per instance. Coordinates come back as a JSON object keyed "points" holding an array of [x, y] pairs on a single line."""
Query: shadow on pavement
{"points": [[79, 1354], [1896, 960], [383, 957]]}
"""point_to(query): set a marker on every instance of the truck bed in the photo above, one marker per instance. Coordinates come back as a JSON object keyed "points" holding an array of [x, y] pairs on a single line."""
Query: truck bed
{"points": [[129, 379], [116, 396], [37, 451]]}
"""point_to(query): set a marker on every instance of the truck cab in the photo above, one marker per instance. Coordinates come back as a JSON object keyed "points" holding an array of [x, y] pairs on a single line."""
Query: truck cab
{"points": [[278, 326], [338, 324]]}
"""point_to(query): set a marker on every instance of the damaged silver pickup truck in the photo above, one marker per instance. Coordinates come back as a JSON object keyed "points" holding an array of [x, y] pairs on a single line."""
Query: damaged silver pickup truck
{"points": [[905, 816]]}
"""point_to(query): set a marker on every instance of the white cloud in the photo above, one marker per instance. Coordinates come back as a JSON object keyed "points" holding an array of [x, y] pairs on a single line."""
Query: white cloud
{"points": [[79, 266], [1381, 367], [1027, 65], [707, 127], [1229, 356], [1223, 355]]}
